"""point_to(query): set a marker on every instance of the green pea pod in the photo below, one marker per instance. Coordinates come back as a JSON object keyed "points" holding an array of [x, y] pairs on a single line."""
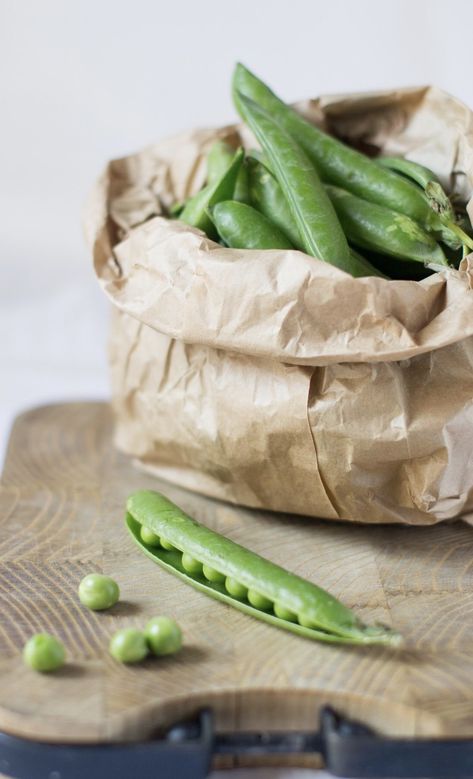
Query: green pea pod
{"points": [[343, 166], [241, 192], [221, 567], [242, 227], [365, 266], [195, 212], [176, 209], [412, 170], [218, 160], [429, 182], [336, 162], [257, 154], [380, 229], [267, 197], [219, 157], [314, 215]]}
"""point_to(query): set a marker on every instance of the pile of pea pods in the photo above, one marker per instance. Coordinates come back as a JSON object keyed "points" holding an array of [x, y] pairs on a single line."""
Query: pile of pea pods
{"points": [[305, 189]]}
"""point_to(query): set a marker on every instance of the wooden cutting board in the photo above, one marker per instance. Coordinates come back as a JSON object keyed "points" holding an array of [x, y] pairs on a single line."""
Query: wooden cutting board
{"points": [[62, 506]]}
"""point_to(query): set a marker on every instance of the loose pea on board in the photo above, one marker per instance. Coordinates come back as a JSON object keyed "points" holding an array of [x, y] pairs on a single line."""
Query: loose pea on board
{"points": [[163, 635], [98, 592], [244, 570], [44, 653], [128, 645]]}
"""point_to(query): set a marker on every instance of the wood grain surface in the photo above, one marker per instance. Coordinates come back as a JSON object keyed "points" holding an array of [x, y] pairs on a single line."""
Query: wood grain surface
{"points": [[62, 503]]}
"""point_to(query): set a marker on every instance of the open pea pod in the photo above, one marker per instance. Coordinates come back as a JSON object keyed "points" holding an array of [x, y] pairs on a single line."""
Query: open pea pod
{"points": [[195, 211], [233, 574]]}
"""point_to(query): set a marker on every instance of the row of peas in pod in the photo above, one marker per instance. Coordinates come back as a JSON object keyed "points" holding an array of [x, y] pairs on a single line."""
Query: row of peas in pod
{"points": [[160, 636], [226, 571], [305, 189]]}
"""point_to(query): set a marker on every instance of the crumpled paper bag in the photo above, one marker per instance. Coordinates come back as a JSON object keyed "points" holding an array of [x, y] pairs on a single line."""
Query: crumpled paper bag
{"points": [[272, 379]]}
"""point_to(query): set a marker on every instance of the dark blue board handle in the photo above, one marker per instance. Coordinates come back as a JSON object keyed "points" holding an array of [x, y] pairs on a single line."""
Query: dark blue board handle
{"points": [[348, 748]]}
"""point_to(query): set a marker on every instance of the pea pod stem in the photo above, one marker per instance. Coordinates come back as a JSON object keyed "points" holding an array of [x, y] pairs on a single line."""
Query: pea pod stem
{"points": [[444, 222], [330, 620]]}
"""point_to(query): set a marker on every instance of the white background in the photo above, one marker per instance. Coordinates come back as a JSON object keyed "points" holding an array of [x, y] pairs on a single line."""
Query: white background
{"points": [[81, 82]]}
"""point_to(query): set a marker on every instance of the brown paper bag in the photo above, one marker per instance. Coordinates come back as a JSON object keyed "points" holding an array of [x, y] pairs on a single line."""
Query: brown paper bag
{"points": [[272, 379]]}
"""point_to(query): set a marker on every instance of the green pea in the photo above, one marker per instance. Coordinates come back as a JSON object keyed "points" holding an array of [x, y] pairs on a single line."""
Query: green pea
{"points": [[213, 575], [128, 645], [164, 636], [284, 613], [98, 592], [148, 537], [42, 652], [236, 589], [259, 601], [166, 545], [191, 565], [305, 622]]}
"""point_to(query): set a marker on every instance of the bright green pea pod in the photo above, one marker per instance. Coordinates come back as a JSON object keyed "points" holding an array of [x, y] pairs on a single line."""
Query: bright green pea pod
{"points": [[219, 158], [242, 227], [241, 192], [195, 212], [330, 620], [365, 266], [345, 167], [267, 197], [257, 154], [314, 215], [380, 229], [412, 170], [336, 162]]}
